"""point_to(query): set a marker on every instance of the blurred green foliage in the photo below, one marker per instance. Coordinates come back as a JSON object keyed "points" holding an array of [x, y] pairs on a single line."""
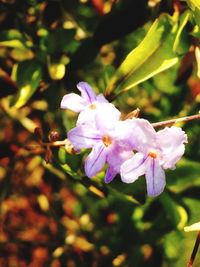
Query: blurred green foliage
{"points": [[51, 214]]}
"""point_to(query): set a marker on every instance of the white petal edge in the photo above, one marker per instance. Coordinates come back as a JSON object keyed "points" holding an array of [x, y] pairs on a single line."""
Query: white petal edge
{"points": [[171, 141], [73, 102], [132, 168]]}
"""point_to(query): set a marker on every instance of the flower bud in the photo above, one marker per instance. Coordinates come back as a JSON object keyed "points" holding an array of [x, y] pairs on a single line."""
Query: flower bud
{"points": [[54, 136]]}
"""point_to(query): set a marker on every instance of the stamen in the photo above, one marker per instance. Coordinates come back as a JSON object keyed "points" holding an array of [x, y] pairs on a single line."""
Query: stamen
{"points": [[106, 140], [152, 155], [92, 106]]}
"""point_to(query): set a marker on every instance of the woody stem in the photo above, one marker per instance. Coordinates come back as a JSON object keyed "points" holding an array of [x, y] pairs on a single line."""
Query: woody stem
{"points": [[155, 125], [194, 252], [173, 121], [56, 143]]}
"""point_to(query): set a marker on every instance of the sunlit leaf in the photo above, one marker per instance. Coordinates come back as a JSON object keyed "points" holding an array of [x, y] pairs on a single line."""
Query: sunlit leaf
{"points": [[21, 54], [62, 155], [43, 202], [171, 240], [27, 75], [58, 252], [14, 38], [193, 227], [197, 55], [153, 55], [69, 171], [165, 80], [56, 71], [183, 21], [195, 7], [196, 31], [12, 43]]}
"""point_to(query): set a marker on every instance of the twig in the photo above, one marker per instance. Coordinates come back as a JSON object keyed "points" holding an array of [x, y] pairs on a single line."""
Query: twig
{"points": [[134, 114], [173, 121], [56, 143], [194, 252]]}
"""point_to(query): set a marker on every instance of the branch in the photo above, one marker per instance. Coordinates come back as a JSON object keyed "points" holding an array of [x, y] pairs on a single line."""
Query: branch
{"points": [[173, 121], [134, 114], [194, 252]]}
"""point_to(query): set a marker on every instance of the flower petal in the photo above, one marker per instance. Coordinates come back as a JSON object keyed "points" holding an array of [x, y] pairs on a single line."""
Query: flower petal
{"points": [[117, 155], [143, 135], [115, 158], [123, 132], [95, 160], [83, 137], [87, 92], [133, 168], [171, 142], [106, 116], [96, 115], [155, 177], [101, 99], [73, 102], [110, 175], [87, 116]]}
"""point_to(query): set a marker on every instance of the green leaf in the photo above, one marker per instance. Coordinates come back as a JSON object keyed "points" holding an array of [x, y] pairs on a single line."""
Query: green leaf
{"points": [[12, 43], [27, 75], [176, 213], [13, 38], [193, 4], [21, 54], [195, 7], [135, 191], [70, 171], [60, 40], [74, 161], [196, 32], [183, 21], [186, 174], [56, 71], [70, 163], [153, 55], [171, 240], [62, 155], [165, 82]]}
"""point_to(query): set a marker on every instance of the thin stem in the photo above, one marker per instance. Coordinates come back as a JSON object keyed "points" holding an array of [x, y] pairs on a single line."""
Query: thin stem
{"points": [[46, 145], [173, 121], [56, 143], [135, 113], [194, 252], [66, 143]]}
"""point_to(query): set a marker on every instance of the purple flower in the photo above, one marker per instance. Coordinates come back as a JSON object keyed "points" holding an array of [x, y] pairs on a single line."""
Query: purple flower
{"points": [[114, 142], [156, 151], [109, 139], [86, 104]]}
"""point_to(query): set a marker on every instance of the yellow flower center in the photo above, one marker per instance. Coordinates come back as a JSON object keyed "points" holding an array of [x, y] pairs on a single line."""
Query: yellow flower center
{"points": [[106, 140], [92, 106], [152, 155]]}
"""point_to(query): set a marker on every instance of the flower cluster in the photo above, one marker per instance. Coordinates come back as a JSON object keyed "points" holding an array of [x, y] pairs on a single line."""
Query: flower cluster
{"points": [[130, 147]]}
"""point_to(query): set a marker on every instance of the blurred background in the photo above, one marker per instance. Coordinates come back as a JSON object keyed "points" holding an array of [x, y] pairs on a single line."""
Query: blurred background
{"points": [[50, 214]]}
